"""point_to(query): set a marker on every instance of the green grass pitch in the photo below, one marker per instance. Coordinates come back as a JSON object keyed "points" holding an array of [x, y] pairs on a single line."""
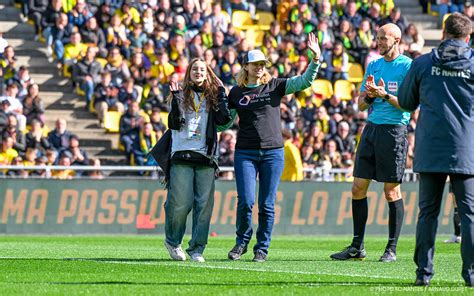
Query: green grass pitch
{"points": [[139, 265]]}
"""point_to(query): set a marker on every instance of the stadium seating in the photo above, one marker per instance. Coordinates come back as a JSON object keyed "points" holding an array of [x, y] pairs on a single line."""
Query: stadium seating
{"points": [[264, 20], [255, 37], [112, 121], [242, 20], [343, 89], [356, 73], [323, 87]]}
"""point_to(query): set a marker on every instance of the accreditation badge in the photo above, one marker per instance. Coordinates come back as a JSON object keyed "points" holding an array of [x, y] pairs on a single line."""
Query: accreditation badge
{"points": [[194, 128]]}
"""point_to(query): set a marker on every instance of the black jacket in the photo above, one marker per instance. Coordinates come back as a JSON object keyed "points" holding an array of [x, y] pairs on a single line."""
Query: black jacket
{"points": [[219, 116], [441, 83]]}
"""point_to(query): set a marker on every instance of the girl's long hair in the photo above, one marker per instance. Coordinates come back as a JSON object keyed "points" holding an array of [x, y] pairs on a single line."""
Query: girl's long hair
{"points": [[210, 87]]}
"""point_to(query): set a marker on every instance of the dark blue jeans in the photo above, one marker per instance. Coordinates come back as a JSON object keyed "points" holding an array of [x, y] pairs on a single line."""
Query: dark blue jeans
{"points": [[431, 194], [267, 165]]}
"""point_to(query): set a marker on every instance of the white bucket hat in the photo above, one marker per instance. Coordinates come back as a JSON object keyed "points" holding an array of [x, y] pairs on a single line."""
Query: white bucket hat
{"points": [[256, 56]]}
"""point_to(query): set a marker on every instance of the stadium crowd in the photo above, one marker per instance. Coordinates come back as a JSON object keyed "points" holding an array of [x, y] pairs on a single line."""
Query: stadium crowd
{"points": [[122, 55]]}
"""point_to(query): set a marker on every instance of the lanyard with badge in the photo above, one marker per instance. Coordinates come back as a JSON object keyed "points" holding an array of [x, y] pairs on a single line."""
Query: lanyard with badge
{"points": [[194, 126]]}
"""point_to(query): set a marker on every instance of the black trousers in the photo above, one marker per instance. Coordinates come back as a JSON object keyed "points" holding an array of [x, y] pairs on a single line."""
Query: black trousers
{"points": [[430, 197]]}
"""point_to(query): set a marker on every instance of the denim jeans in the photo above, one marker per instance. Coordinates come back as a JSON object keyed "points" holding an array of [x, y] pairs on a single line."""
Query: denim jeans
{"points": [[59, 50], [190, 187], [88, 87], [267, 164]]}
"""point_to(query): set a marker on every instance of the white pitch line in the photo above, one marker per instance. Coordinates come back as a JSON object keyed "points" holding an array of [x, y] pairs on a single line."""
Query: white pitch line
{"points": [[178, 264]]}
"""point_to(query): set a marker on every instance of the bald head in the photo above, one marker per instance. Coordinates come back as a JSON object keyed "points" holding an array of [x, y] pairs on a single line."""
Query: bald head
{"points": [[388, 38], [392, 30]]}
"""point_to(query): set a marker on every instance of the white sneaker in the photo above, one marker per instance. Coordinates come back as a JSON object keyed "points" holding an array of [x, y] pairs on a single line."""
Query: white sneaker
{"points": [[453, 240], [176, 253], [197, 257]]}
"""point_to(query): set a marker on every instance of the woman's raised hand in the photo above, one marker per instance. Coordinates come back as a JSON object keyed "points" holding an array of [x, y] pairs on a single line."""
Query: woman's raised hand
{"points": [[313, 45]]}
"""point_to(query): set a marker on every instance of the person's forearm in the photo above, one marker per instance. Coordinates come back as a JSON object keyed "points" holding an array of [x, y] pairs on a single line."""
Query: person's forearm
{"points": [[303, 81], [361, 102], [393, 100]]}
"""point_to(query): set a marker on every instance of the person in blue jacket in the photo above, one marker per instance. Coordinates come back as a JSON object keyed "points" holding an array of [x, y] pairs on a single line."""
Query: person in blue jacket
{"points": [[441, 84]]}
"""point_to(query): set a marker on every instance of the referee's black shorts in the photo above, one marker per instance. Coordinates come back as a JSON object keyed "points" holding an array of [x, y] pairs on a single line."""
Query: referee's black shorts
{"points": [[382, 153]]}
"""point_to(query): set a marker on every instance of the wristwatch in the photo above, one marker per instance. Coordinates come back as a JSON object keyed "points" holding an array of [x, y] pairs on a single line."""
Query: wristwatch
{"points": [[386, 97]]}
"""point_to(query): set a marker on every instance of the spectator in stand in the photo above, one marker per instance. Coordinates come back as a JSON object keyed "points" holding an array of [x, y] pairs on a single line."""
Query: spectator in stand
{"points": [[60, 35], [345, 142], [325, 35], [128, 93], [196, 49], [14, 107], [137, 37], [48, 21], [22, 79], [103, 15], [74, 50], [36, 10], [364, 40], [130, 124], [330, 157], [116, 35], [64, 160], [39, 161], [95, 162], [140, 68], [33, 105], [52, 157], [117, 66], [8, 63], [35, 137], [106, 98], [148, 21], [352, 15], [163, 68], [142, 144], [326, 124], [293, 166], [7, 152], [77, 155], [94, 36], [86, 74], [375, 16], [156, 121], [347, 36], [396, 18], [153, 96], [412, 36], [334, 105], [337, 63], [386, 6], [308, 158], [128, 15], [218, 20], [59, 137], [79, 15], [13, 130]]}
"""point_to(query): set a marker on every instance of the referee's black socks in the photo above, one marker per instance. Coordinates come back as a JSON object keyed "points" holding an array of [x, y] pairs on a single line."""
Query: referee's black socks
{"points": [[396, 212], [360, 212]]}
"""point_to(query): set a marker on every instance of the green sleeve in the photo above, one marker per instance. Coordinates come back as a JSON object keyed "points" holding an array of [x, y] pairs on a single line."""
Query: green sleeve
{"points": [[233, 114], [301, 82]]}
